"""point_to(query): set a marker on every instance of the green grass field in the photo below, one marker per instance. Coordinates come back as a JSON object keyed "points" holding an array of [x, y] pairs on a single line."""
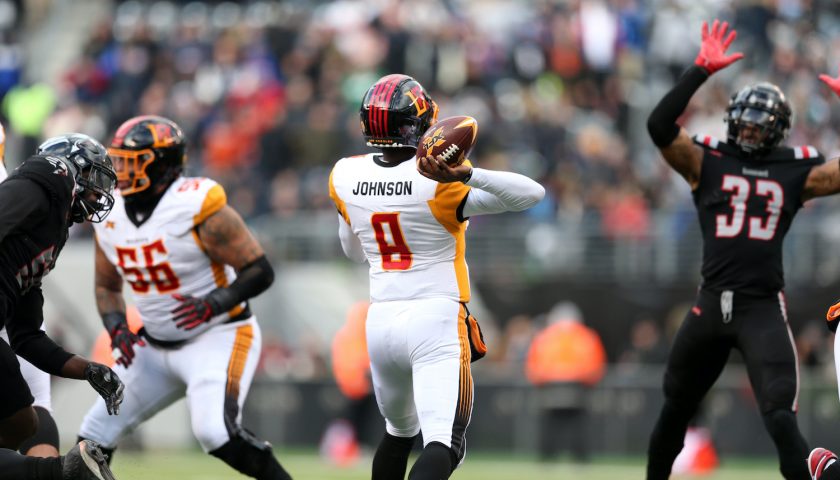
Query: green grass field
{"points": [[307, 465]]}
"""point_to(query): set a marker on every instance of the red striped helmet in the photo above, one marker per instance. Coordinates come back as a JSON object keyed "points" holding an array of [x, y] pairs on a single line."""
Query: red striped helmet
{"points": [[396, 111]]}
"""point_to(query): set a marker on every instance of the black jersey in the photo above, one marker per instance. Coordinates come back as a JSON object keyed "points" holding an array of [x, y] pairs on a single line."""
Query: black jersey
{"points": [[746, 206], [34, 223]]}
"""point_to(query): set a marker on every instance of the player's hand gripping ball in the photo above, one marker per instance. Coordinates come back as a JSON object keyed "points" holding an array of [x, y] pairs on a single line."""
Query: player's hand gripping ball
{"points": [[452, 138]]}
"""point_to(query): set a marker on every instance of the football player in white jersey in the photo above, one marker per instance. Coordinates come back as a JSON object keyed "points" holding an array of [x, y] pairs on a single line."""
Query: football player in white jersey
{"points": [[45, 441], [408, 218], [192, 264]]}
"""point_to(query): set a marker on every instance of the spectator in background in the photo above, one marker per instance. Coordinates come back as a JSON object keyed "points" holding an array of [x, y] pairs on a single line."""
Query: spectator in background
{"points": [[564, 360], [646, 344], [351, 368]]}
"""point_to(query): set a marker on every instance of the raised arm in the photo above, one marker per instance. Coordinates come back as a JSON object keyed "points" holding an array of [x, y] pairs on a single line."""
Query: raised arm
{"points": [[824, 179], [492, 192], [673, 141]]}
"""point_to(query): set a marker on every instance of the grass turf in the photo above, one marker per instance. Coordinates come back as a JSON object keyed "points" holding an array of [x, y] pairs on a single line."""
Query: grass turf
{"points": [[188, 465]]}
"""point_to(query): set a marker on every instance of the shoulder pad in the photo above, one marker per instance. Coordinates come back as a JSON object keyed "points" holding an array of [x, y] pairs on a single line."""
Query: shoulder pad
{"points": [[708, 142], [806, 153], [201, 197], [49, 172]]}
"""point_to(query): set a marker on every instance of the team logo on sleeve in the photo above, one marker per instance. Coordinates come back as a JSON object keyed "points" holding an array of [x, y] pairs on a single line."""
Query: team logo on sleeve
{"points": [[60, 167]]}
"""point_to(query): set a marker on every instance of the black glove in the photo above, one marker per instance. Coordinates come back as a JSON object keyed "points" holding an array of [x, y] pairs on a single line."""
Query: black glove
{"points": [[107, 384], [194, 311], [122, 339]]}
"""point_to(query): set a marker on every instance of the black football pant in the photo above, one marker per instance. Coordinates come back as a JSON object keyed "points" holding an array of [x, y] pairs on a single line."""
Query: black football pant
{"points": [[758, 328]]}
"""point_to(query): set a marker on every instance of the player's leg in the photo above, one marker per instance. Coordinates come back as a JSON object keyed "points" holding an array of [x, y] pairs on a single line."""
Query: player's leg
{"points": [[769, 352], [45, 441], [822, 463], [150, 386], [391, 376], [697, 357], [18, 422], [218, 368], [443, 387]]}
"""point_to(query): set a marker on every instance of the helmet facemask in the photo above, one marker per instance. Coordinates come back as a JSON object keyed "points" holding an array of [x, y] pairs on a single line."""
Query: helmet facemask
{"points": [[130, 167], [94, 198], [149, 154], [758, 118], [87, 160]]}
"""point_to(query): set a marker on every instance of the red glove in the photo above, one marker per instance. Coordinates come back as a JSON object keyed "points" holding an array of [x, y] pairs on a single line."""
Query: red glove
{"points": [[833, 314], [712, 56], [833, 83], [193, 311]]}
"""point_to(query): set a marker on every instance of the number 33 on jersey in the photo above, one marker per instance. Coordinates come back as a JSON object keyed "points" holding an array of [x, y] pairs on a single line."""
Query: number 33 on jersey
{"points": [[746, 208], [163, 255], [409, 227]]}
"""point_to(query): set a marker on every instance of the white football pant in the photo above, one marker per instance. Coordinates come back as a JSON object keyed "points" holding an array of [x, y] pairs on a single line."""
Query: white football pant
{"points": [[214, 371], [420, 367]]}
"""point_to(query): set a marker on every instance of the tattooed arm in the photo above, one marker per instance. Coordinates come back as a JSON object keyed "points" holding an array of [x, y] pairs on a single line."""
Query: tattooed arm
{"points": [[823, 180], [226, 240]]}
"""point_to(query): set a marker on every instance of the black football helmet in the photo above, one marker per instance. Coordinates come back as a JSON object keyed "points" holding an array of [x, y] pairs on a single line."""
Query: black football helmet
{"points": [[396, 111], [90, 166], [147, 150], [764, 107]]}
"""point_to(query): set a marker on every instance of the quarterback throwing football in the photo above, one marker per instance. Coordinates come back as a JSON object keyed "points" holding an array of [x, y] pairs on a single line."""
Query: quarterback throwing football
{"points": [[413, 236]]}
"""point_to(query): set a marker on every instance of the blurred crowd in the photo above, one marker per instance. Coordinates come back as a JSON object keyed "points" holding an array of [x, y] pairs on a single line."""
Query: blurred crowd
{"points": [[269, 92]]}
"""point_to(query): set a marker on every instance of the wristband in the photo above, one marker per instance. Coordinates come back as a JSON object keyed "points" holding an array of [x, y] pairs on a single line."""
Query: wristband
{"points": [[467, 177]]}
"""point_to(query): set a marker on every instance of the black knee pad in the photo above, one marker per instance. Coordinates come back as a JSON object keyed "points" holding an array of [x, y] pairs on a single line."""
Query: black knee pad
{"points": [[778, 394], [251, 456], [46, 433]]}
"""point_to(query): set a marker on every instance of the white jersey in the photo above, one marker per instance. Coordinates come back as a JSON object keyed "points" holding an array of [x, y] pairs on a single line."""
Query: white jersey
{"points": [[164, 256], [408, 226]]}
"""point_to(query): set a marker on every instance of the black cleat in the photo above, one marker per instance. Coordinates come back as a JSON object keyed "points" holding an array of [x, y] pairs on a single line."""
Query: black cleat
{"points": [[85, 461]]}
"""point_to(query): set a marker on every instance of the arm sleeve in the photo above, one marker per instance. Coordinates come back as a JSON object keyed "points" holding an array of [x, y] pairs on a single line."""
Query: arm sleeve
{"points": [[251, 280], [350, 243], [662, 122], [20, 198], [29, 341], [497, 192]]}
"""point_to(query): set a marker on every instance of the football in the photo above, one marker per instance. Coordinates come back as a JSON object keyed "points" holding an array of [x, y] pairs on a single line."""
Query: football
{"points": [[451, 137]]}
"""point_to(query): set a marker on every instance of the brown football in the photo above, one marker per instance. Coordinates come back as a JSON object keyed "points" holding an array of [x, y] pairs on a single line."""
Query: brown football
{"points": [[451, 137]]}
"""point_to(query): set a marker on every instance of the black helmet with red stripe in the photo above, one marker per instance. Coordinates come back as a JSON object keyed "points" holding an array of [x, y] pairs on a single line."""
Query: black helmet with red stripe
{"points": [[758, 118], [147, 150], [396, 111]]}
